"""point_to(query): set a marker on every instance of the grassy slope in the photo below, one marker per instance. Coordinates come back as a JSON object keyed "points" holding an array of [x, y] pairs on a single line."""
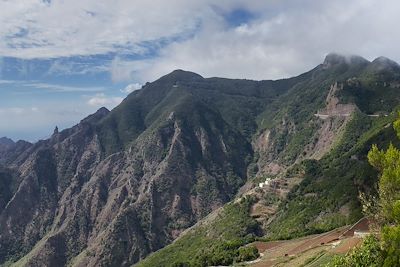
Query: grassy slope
{"points": [[216, 243]]}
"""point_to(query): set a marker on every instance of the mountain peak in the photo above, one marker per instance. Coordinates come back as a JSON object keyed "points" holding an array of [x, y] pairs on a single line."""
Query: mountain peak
{"points": [[181, 75], [186, 73], [382, 63], [102, 111], [6, 141], [98, 115], [333, 59]]}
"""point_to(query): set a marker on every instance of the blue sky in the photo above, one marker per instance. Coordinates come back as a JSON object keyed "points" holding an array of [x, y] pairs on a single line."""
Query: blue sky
{"points": [[62, 60]]}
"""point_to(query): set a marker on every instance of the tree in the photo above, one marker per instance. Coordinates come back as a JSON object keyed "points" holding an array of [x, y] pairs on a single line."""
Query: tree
{"points": [[388, 164]]}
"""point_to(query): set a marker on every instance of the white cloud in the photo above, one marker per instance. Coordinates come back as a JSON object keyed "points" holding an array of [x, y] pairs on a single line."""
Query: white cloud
{"points": [[39, 29], [101, 99], [148, 39], [7, 81], [68, 67], [122, 70], [63, 28], [285, 40], [12, 110], [131, 87], [19, 111], [53, 87], [62, 88]]}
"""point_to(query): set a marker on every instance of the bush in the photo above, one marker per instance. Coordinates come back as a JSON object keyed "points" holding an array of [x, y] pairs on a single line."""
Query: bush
{"points": [[247, 253], [368, 254]]}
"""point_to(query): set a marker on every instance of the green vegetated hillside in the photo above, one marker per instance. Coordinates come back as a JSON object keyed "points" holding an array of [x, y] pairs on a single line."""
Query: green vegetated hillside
{"points": [[326, 199], [327, 196], [125, 183], [381, 247], [219, 240]]}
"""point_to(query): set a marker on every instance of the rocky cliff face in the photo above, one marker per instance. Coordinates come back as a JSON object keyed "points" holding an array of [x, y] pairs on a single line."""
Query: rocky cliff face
{"points": [[81, 199], [124, 183]]}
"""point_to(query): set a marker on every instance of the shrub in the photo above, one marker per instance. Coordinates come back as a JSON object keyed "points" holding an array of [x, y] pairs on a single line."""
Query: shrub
{"points": [[247, 253], [368, 254]]}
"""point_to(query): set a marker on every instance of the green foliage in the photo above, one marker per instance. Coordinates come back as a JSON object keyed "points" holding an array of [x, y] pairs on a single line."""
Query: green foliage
{"points": [[247, 253], [391, 245], [387, 162], [368, 254]]}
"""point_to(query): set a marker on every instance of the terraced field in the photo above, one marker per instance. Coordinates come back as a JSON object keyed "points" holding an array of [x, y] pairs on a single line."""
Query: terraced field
{"points": [[310, 251]]}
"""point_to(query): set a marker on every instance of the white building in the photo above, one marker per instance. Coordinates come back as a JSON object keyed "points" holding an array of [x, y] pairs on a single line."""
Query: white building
{"points": [[266, 183]]}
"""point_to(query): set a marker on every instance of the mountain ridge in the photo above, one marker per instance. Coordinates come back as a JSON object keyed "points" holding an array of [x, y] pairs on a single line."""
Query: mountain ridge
{"points": [[124, 183], [6, 141]]}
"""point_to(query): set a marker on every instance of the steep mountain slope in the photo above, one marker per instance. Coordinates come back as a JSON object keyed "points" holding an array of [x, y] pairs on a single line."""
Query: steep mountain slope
{"points": [[122, 184], [320, 190]]}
